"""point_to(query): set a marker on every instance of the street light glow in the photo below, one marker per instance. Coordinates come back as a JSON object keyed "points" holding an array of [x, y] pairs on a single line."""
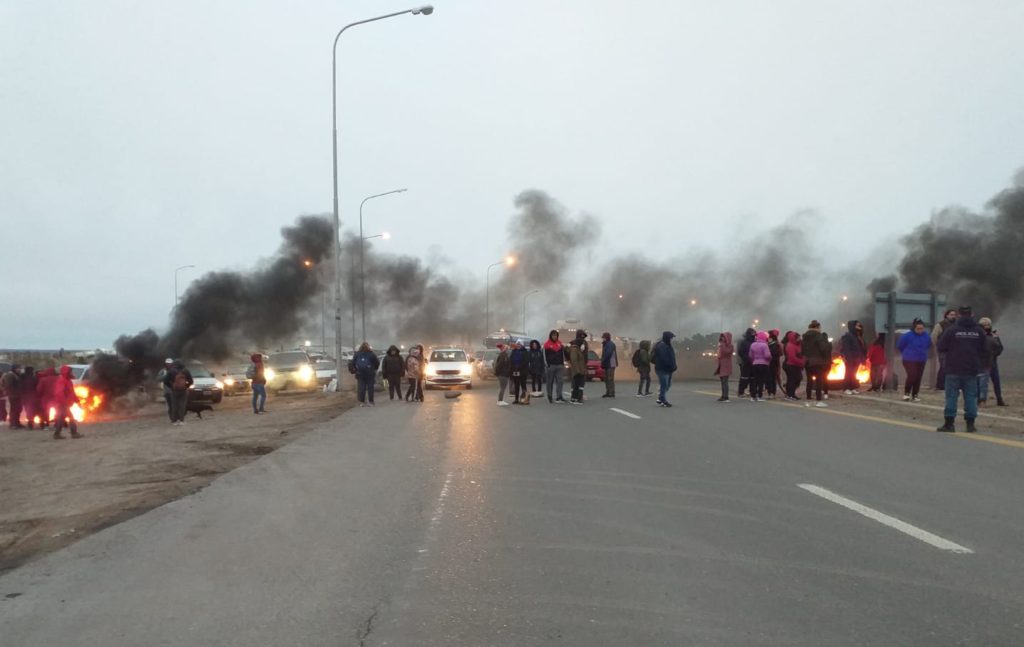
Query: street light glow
{"points": [[510, 261], [307, 263], [620, 296], [386, 235], [693, 302]]}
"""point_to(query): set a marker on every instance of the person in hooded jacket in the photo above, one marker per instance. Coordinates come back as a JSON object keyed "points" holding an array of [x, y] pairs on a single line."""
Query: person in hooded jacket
{"points": [[993, 348], [724, 368], [366, 364], [664, 356], [760, 360], [63, 399], [413, 373], [643, 368], [537, 369], [775, 346], [609, 362], [10, 381], [914, 347], [878, 362], [577, 368], [964, 346], [178, 380], [854, 352], [502, 371], [44, 391], [259, 383], [948, 319], [794, 363], [519, 366], [393, 368], [817, 352], [29, 398], [743, 357], [555, 354]]}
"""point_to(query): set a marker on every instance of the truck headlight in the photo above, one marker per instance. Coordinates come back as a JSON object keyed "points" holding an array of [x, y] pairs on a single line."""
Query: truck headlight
{"points": [[431, 371], [305, 372], [229, 381], [269, 374], [219, 384], [466, 370]]}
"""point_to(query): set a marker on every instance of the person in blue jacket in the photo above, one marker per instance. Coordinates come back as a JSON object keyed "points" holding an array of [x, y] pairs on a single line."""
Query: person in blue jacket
{"points": [[914, 347], [664, 357]]}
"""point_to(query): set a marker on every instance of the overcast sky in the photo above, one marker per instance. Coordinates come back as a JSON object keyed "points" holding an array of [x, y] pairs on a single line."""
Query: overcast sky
{"points": [[140, 136]]}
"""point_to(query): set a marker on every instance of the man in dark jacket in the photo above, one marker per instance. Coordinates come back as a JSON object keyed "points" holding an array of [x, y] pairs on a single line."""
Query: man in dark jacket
{"points": [[948, 319], [664, 357], [964, 346], [11, 381], [29, 398], [609, 362], [643, 367], [854, 352], [995, 344], [178, 380], [538, 366], [393, 369], [818, 358], [743, 355]]}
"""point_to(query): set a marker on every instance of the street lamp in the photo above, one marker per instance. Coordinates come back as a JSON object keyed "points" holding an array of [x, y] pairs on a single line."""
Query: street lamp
{"points": [[383, 236], [176, 270], [362, 272], [426, 11], [508, 261], [524, 307]]}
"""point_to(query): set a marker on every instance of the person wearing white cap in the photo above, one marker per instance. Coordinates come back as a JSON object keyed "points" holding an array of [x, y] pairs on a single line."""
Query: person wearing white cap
{"points": [[168, 365]]}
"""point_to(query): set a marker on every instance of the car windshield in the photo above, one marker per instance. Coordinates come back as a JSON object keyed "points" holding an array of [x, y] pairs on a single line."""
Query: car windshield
{"points": [[491, 355], [448, 356], [324, 364], [592, 356], [198, 370], [78, 371], [283, 360]]}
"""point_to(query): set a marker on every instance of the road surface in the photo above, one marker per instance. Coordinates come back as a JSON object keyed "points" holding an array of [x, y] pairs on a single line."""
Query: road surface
{"points": [[462, 523]]}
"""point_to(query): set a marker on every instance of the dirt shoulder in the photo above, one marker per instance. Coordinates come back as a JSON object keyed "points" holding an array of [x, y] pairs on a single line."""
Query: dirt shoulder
{"points": [[53, 492]]}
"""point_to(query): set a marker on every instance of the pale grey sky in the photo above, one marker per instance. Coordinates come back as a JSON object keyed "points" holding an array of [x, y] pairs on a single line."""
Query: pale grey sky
{"points": [[143, 136]]}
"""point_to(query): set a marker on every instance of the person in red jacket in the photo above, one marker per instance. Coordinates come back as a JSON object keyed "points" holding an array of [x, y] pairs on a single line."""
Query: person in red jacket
{"points": [[44, 391], [63, 395], [794, 363], [876, 360]]}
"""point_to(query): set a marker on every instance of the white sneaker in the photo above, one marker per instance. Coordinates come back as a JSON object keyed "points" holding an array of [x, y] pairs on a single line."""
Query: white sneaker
{"points": [[847, 392], [502, 403], [807, 404], [825, 396], [906, 398], [917, 399], [821, 405]]}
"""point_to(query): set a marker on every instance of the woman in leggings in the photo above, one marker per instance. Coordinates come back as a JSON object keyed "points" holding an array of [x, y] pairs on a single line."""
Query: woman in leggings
{"points": [[914, 347]]}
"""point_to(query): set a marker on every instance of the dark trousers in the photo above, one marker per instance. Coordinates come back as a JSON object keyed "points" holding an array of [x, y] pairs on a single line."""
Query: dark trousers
{"points": [[816, 376], [169, 400], [259, 397], [877, 377], [537, 382], [773, 378], [746, 375], [415, 390], [365, 383], [63, 415], [996, 385], [33, 409], [609, 381], [850, 382], [915, 371], [577, 387], [179, 401], [518, 386], [793, 376], [3, 409], [394, 387], [725, 386], [762, 373], [14, 416], [645, 384]]}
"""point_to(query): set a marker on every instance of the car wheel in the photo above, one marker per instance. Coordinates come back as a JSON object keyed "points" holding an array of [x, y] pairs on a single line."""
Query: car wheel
{"points": [[218, 399], [469, 387]]}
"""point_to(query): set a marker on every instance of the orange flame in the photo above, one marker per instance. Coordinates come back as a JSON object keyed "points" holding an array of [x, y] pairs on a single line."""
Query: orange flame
{"points": [[838, 372]]}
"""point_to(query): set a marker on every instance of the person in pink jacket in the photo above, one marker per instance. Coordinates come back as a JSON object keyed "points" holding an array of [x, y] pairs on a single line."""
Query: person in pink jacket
{"points": [[795, 364], [761, 359], [724, 369]]}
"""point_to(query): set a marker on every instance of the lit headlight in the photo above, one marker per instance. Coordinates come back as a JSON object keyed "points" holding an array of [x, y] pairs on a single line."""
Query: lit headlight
{"points": [[269, 374], [305, 372], [219, 384], [431, 371], [230, 381], [466, 369]]}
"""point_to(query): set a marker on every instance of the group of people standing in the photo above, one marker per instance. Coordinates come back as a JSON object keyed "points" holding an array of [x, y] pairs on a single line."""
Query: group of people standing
{"points": [[411, 369], [547, 366], [46, 397]]}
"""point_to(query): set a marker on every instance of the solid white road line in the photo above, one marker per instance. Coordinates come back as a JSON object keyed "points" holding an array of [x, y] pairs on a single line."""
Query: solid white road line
{"points": [[882, 518], [626, 413]]}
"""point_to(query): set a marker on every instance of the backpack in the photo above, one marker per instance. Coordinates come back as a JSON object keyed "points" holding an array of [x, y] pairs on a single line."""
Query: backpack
{"points": [[180, 382], [363, 363], [636, 358], [352, 366], [251, 371]]}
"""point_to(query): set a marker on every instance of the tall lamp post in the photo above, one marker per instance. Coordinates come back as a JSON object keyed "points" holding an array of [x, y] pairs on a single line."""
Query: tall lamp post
{"points": [[385, 236], [508, 261], [362, 265], [524, 308], [176, 270], [426, 10]]}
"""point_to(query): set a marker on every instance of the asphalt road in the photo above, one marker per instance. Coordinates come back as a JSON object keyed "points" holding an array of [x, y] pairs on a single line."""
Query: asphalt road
{"points": [[462, 523]]}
